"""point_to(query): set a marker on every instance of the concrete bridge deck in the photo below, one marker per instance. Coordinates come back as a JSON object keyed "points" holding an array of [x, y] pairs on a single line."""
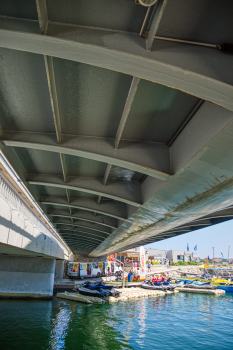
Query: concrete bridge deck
{"points": [[30, 248]]}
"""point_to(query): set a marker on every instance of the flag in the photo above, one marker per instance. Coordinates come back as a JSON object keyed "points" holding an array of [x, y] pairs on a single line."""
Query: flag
{"points": [[195, 248], [187, 247], [142, 261]]}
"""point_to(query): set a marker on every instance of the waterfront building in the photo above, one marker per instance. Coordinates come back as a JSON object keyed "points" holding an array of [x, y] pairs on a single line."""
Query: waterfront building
{"points": [[155, 254]]}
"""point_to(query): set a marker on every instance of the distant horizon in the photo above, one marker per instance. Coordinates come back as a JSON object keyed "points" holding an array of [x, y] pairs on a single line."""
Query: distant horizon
{"points": [[219, 236]]}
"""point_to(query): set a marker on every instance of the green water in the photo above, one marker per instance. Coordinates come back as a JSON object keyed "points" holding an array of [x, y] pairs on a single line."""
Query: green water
{"points": [[180, 321]]}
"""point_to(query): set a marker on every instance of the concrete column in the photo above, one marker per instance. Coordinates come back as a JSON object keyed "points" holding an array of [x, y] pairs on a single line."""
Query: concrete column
{"points": [[26, 277], [59, 269]]}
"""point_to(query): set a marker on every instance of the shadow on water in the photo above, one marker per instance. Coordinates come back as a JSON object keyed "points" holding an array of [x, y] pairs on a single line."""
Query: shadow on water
{"points": [[57, 325]]}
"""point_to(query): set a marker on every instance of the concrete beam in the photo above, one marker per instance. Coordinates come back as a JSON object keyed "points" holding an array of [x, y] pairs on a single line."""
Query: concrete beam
{"points": [[42, 15], [130, 98], [82, 244], [83, 231], [199, 71], [85, 216], [109, 208], [157, 16], [66, 223], [147, 158], [124, 117], [86, 245], [118, 191], [80, 237]]}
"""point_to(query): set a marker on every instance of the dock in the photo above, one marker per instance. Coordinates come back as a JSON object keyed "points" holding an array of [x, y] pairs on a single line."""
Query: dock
{"points": [[216, 292], [126, 294], [80, 298], [138, 292]]}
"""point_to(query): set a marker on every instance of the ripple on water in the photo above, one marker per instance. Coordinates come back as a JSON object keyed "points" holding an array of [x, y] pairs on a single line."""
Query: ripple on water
{"points": [[176, 321]]}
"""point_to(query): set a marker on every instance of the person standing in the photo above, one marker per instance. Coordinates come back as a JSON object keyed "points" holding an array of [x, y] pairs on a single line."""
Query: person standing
{"points": [[149, 266]]}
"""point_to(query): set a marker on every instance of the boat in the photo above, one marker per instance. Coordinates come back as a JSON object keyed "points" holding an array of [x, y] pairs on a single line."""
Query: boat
{"points": [[99, 290], [158, 286], [200, 285], [228, 287], [222, 281], [183, 281], [218, 280]]}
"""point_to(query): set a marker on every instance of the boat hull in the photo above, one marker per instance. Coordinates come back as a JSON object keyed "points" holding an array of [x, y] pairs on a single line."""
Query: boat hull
{"points": [[228, 289], [158, 287]]}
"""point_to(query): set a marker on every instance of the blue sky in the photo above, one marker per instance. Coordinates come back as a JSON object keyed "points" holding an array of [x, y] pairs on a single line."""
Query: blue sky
{"points": [[218, 236]]}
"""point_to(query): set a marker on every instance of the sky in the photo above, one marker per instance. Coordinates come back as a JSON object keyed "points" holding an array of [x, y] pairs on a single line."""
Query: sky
{"points": [[218, 236]]}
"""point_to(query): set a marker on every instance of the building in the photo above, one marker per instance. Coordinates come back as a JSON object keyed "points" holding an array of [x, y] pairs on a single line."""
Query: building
{"points": [[217, 259], [156, 254], [128, 255], [179, 255]]}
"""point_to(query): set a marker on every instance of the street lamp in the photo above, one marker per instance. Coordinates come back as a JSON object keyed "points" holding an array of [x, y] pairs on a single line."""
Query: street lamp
{"points": [[228, 255], [213, 256]]}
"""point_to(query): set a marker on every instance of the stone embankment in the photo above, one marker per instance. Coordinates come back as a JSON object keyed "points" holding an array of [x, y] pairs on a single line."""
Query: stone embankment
{"points": [[192, 271]]}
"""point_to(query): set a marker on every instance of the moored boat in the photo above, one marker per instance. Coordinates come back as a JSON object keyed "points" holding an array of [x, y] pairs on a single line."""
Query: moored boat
{"points": [[97, 290], [228, 287], [200, 285], [158, 286]]}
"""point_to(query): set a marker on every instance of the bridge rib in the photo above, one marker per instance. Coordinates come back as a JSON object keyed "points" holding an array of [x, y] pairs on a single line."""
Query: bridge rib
{"points": [[83, 231], [194, 70], [82, 225], [81, 237], [148, 158], [111, 208], [124, 117], [89, 246], [43, 21], [159, 9], [121, 191], [85, 241], [86, 216]]}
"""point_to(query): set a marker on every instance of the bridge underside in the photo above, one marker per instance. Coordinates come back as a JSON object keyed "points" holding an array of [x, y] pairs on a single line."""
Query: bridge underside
{"points": [[119, 117]]}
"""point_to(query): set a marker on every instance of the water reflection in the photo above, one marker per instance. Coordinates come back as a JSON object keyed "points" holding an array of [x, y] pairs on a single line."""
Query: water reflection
{"points": [[59, 327], [135, 324]]}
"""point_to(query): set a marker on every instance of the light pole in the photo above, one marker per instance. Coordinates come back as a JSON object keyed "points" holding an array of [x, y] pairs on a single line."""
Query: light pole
{"points": [[228, 255], [213, 256]]}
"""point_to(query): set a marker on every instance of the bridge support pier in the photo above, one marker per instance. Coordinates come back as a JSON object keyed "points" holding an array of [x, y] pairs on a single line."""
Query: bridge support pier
{"points": [[59, 269], [26, 277]]}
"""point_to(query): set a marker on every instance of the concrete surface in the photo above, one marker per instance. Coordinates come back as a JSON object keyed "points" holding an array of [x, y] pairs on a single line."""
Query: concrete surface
{"points": [[24, 277]]}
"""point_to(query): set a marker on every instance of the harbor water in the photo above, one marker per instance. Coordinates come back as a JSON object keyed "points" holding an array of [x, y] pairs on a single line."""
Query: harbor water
{"points": [[179, 321]]}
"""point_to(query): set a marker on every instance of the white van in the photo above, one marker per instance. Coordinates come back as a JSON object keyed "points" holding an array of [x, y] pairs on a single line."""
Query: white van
{"points": [[86, 269], [92, 269], [73, 269]]}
